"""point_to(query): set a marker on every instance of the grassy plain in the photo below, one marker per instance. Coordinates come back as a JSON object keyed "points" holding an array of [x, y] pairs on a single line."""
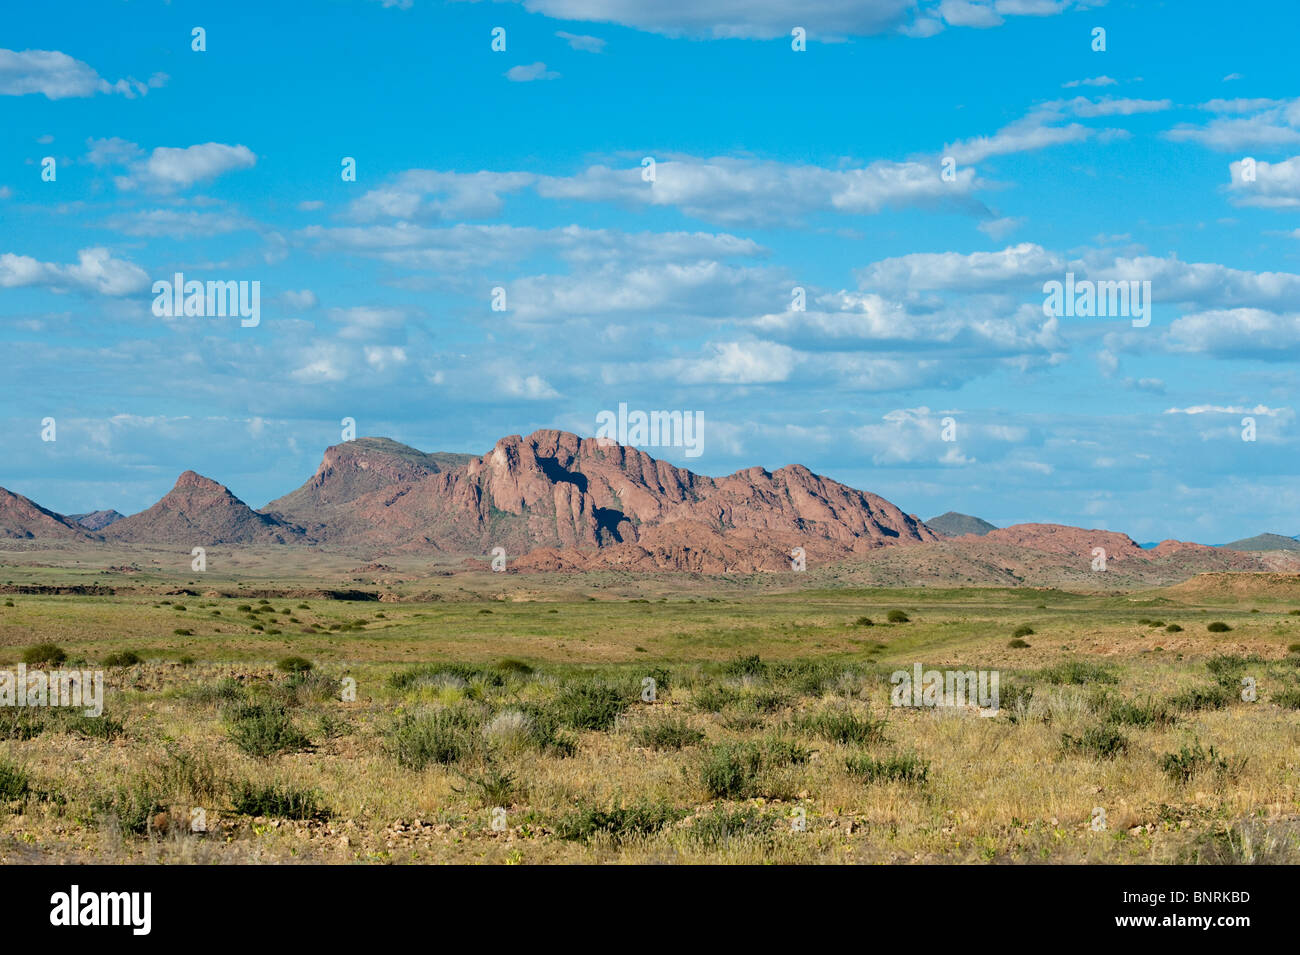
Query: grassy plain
{"points": [[771, 736]]}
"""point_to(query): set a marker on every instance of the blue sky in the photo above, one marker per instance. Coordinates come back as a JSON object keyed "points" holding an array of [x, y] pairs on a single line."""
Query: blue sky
{"points": [[522, 169]]}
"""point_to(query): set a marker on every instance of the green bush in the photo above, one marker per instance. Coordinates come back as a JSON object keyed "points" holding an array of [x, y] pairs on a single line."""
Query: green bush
{"points": [[1078, 673], [1289, 698], [617, 823], [1144, 713], [1023, 631], [720, 825], [1202, 698], [1101, 742], [1173, 628], [264, 729], [864, 622], [14, 783], [897, 616], [713, 699], [667, 734], [1191, 760], [746, 666], [293, 665], [44, 654], [841, 725], [1017, 644], [896, 769], [731, 771], [124, 658], [1218, 627], [444, 736], [589, 705], [278, 802]]}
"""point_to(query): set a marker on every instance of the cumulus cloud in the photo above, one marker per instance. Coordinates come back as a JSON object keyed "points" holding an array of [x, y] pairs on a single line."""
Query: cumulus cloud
{"points": [[95, 271], [56, 75], [167, 168], [1274, 186]]}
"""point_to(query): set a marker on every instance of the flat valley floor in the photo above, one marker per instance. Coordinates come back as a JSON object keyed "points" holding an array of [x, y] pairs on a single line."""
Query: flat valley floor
{"points": [[470, 717]]}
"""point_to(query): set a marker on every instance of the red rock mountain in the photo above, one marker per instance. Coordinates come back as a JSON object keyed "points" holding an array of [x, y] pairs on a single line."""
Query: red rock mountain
{"points": [[200, 512], [24, 518], [577, 496]]}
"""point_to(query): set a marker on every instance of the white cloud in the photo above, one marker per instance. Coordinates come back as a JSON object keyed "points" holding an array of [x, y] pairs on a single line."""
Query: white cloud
{"points": [[1275, 186], [739, 363], [587, 44], [58, 76], [1093, 81], [95, 271], [769, 19], [1272, 123], [303, 299], [1016, 265], [179, 223], [729, 190], [430, 194], [529, 73], [168, 168]]}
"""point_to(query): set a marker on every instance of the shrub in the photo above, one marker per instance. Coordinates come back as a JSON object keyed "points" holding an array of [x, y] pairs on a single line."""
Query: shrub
{"points": [[509, 729], [781, 751], [720, 825], [1191, 760], [897, 616], [1145, 713], [435, 673], [898, 769], [1023, 631], [278, 802], [667, 734], [589, 705], [225, 690], [44, 654], [841, 725], [1202, 698], [731, 770], [14, 783], [513, 666], [1218, 627], [1293, 648], [1078, 673], [1017, 644], [618, 823], [437, 736], [864, 622], [264, 729], [1289, 698], [1101, 742], [713, 699], [294, 665], [93, 727], [189, 777], [1173, 628], [496, 786], [746, 666], [125, 658]]}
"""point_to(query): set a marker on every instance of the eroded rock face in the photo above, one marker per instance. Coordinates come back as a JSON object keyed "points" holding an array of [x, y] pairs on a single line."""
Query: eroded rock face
{"points": [[581, 498]]}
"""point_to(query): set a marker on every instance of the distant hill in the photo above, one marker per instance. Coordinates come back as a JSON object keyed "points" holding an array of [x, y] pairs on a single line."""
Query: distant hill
{"points": [[23, 518], [199, 511], [95, 520], [1264, 542], [953, 524]]}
